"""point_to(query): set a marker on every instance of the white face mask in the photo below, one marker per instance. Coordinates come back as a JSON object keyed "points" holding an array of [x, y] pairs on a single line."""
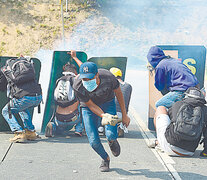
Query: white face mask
{"points": [[90, 85]]}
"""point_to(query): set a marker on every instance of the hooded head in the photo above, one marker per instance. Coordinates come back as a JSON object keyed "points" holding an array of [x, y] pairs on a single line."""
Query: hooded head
{"points": [[155, 55]]}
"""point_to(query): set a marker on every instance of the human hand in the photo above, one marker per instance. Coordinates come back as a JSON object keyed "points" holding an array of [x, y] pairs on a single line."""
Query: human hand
{"points": [[125, 120], [110, 119], [72, 53]]}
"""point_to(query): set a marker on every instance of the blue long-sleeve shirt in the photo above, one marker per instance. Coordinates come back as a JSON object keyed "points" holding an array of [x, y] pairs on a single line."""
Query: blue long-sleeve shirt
{"points": [[175, 75]]}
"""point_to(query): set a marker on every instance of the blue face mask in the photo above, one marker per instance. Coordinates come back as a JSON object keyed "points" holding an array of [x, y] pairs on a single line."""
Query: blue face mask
{"points": [[90, 85]]}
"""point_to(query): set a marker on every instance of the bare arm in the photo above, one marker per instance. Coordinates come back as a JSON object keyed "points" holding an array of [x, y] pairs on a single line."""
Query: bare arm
{"points": [[120, 98], [73, 55], [94, 108]]}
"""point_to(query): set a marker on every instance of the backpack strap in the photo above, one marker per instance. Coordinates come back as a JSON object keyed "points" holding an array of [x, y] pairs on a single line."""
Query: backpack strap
{"points": [[71, 81], [205, 136], [9, 110], [9, 97], [39, 109], [204, 140]]}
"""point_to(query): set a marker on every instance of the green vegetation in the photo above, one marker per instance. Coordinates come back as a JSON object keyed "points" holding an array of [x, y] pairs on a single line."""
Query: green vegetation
{"points": [[2, 50], [32, 26], [85, 2], [18, 54], [3, 43], [39, 24], [72, 24], [19, 33], [5, 31], [20, 4], [43, 26]]}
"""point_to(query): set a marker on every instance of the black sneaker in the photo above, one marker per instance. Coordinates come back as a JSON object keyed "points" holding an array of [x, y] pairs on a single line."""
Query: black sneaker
{"points": [[115, 147], [104, 167]]}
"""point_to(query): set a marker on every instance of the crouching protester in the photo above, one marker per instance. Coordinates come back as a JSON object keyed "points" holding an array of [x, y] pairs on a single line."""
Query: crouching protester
{"points": [[180, 130], [126, 89], [172, 77], [23, 92], [66, 115], [96, 89]]}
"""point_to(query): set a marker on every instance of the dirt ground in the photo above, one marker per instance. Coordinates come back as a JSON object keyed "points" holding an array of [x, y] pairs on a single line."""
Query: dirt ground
{"points": [[26, 26]]}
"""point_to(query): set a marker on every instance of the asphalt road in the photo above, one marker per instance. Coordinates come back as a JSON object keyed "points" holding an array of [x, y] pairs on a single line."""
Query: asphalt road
{"points": [[72, 158]]}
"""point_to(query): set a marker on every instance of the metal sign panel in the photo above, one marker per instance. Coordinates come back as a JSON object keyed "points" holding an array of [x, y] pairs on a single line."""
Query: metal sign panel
{"points": [[109, 62], [60, 58]]}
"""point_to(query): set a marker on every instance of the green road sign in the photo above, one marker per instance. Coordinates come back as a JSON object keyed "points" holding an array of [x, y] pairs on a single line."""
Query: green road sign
{"points": [[60, 58], [3, 124], [109, 62]]}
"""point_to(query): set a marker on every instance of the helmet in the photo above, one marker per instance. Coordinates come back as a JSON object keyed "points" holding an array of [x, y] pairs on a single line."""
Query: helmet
{"points": [[194, 93], [116, 72]]}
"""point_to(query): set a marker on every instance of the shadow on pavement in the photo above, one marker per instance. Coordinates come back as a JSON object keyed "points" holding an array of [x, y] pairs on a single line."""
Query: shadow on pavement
{"points": [[158, 174], [195, 156], [133, 135], [143, 172]]}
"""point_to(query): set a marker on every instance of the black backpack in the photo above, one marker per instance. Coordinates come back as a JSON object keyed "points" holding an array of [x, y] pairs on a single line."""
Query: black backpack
{"points": [[64, 94], [19, 71], [189, 122]]}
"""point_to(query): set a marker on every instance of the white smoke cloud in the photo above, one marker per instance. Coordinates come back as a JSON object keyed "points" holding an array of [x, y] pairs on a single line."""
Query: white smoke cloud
{"points": [[129, 28]]}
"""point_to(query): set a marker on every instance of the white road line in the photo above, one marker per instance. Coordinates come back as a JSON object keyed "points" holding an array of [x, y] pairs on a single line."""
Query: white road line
{"points": [[164, 159]]}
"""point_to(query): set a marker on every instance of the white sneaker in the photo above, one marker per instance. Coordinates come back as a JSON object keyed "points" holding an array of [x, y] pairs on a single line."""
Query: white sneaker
{"points": [[158, 148], [152, 143]]}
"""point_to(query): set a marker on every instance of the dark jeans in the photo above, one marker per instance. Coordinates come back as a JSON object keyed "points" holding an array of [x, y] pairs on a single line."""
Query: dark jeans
{"points": [[91, 122]]}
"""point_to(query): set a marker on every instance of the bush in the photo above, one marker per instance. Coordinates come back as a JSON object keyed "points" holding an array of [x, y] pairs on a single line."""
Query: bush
{"points": [[85, 2]]}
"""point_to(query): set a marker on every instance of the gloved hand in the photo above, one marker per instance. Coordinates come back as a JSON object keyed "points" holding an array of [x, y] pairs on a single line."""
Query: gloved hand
{"points": [[110, 119], [203, 153]]}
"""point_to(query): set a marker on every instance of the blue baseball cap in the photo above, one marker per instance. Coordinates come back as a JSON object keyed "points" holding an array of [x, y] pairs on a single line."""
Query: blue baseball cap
{"points": [[88, 70]]}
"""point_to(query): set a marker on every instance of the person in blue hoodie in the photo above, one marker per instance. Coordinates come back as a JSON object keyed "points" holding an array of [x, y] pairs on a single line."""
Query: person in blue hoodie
{"points": [[171, 76]]}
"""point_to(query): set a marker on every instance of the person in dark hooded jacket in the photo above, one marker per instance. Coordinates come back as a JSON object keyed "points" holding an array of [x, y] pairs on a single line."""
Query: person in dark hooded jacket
{"points": [[171, 75]]}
